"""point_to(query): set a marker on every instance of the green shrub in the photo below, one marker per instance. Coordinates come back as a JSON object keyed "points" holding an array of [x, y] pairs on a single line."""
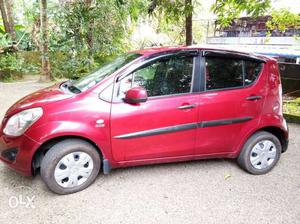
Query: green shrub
{"points": [[13, 67], [291, 110]]}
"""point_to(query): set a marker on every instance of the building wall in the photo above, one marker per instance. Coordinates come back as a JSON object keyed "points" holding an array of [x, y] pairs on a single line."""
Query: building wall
{"points": [[281, 41]]}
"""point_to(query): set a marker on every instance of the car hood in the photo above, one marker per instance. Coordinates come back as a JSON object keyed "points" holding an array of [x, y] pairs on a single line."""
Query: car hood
{"points": [[39, 99]]}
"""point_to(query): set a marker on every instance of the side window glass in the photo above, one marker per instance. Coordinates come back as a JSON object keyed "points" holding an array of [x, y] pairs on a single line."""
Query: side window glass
{"points": [[147, 77], [223, 73], [107, 93], [252, 70], [165, 76], [125, 84]]}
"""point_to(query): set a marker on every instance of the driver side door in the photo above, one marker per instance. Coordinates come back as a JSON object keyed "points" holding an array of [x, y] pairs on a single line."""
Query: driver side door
{"points": [[165, 125]]}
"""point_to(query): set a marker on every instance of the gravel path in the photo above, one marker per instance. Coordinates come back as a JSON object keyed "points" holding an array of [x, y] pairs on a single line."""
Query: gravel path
{"points": [[210, 191]]}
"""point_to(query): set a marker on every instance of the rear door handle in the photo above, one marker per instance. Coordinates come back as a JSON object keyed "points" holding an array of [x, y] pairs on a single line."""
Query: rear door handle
{"points": [[185, 107], [254, 98]]}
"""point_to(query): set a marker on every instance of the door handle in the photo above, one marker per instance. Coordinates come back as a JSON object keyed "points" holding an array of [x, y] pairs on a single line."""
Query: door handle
{"points": [[254, 98], [185, 107]]}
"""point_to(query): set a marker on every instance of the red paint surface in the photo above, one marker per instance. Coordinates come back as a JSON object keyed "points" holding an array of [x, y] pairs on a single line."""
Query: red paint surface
{"points": [[76, 115]]}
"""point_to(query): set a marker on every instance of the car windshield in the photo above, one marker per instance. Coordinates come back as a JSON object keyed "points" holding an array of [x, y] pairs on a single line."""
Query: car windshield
{"points": [[95, 77]]}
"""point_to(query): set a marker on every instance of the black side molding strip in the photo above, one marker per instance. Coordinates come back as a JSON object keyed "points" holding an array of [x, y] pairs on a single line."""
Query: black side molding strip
{"points": [[182, 127], [205, 124], [158, 131]]}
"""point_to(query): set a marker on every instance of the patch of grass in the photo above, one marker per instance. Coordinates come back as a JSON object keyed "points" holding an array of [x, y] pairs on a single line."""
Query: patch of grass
{"points": [[291, 110]]}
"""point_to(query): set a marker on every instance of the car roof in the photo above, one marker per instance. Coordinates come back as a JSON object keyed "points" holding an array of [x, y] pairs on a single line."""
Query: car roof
{"points": [[169, 49]]}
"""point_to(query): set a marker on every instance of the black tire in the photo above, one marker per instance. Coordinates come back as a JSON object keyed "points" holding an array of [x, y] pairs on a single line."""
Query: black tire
{"points": [[244, 157], [57, 152]]}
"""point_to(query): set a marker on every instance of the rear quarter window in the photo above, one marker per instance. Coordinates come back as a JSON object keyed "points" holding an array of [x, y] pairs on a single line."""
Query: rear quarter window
{"points": [[252, 71], [223, 73], [227, 73]]}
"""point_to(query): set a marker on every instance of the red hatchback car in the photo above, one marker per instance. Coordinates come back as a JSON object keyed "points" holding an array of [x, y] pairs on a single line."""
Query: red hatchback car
{"points": [[149, 106]]}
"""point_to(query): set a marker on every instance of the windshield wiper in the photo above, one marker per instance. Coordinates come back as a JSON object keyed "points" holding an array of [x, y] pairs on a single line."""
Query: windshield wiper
{"points": [[74, 89], [69, 85]]}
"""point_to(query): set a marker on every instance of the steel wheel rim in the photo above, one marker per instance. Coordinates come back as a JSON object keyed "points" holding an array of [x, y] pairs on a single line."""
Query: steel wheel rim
{"points": [[263, 154], [73, 169]]}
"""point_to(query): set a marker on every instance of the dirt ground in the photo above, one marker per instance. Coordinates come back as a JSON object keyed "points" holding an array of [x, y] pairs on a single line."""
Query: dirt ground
{"points": [[207, 191]]}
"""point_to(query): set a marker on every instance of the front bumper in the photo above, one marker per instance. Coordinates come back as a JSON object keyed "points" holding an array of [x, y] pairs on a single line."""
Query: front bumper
{"points": [[17, 153]]}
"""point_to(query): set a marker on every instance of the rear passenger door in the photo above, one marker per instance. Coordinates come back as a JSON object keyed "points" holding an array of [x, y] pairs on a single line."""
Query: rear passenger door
{"points": [[231, 101]]}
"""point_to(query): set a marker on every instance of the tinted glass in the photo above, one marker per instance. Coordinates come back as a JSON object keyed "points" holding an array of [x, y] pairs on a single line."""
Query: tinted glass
{"points": [[162, 77], [252, 70], [223, 73], [95, 77]]}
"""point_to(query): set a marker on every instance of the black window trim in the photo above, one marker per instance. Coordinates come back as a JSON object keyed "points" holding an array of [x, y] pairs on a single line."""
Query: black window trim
{"points": [[198, 78], [151, 58], [244, 72], [226, 54], [188, 52]]}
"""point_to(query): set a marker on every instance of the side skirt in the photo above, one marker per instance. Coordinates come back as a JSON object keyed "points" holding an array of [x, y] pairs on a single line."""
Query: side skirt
{"points": [[131, 163]]}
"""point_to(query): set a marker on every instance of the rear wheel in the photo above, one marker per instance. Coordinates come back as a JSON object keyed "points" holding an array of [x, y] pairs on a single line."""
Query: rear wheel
{"points": [[260, 153], [70, 166]]}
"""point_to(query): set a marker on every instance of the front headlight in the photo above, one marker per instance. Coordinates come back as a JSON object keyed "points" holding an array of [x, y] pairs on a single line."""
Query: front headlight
{"points": [[20, 122]]}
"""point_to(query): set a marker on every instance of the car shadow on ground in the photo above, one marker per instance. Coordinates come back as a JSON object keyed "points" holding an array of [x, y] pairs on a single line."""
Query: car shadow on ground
{"points": [[12, 179], [181, 164]]}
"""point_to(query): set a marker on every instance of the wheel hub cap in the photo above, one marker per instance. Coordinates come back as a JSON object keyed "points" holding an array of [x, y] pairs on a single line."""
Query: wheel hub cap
{"points": [[263, 154], [73, 169]]}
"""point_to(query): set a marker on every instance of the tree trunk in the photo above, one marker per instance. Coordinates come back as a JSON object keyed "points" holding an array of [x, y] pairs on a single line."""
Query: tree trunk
{"points": [[36, 27], [188, 24], [90, 41], [4, 16], [9, 10], [46, 76]]}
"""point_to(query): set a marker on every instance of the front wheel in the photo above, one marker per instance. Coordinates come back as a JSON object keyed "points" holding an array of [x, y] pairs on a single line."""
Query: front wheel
{"points": [[260, 153], [70, 166]]}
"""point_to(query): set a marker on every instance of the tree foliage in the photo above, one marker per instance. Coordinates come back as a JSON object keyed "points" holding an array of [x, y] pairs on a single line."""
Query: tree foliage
{"points": [[177, 12], [84, 33], [283, 19], [227, 10], [87, 33], [108, 30]]}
